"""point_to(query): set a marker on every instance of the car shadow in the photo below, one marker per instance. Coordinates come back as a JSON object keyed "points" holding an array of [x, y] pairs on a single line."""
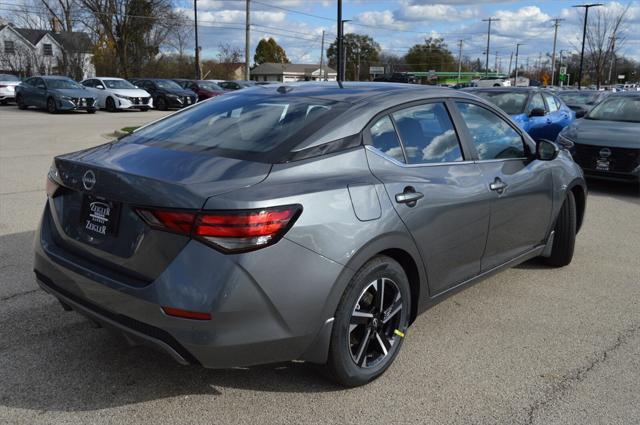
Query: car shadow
{"points": [[57, 361], [618, 189]]}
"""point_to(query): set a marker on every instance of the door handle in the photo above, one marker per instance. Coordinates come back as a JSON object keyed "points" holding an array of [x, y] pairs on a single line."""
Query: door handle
{"points": [[498, 186], [409, 197]]}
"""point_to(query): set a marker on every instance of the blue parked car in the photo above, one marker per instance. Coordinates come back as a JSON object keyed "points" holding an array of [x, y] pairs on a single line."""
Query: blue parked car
{"points": [[55, 94], [539, 112]]}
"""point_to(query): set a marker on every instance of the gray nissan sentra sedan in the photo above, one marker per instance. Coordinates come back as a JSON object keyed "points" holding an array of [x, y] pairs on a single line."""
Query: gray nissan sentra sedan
{"points": [[302, 221]]}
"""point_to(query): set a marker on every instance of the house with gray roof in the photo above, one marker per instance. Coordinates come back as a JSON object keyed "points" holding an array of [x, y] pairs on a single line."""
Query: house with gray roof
{"points": [[26, 52], [289, 72]]}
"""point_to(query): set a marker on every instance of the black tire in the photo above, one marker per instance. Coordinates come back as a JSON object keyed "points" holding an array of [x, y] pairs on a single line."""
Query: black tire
{"points": [[52, 108], [4, 102], [20, 102], [91, 111], [144, 109], [110, 105], [161, 104], [361, 348], [565, 234]]}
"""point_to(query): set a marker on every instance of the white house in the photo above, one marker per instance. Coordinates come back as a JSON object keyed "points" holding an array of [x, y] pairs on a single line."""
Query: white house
{"points": [[289, 72], [29, 52]]}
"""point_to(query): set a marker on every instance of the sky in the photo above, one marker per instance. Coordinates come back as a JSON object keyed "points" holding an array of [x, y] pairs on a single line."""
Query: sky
{"points": [[297, 25]]}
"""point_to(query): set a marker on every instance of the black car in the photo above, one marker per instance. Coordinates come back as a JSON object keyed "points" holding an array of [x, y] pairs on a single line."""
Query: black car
{"points": [[55, 94], [606, 142], [202, 88], [237, 84], [397, 77], [581, 101], [166, 93]]}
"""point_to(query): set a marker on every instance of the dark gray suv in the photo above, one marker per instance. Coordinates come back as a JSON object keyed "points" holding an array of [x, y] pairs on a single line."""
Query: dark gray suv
{"points": [[303, 221]]}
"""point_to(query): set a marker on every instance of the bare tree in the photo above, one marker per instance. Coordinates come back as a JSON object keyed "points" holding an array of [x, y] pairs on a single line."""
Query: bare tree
{"points": [[604, 38]]}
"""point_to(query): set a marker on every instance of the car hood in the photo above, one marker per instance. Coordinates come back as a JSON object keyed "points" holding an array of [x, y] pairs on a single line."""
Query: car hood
{"points": [[71, 92], [129, 92], [604, 133], [178, 92], [9, 83]]}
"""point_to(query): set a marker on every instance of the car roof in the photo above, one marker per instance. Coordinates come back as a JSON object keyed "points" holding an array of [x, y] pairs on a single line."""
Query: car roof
{"points": [[54, 77], [108, 78], [506, 89]]}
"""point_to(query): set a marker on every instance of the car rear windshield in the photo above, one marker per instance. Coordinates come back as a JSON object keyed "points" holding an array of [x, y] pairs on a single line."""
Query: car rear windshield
{"points": [[245, 126], [623, 108], [510, 102], [59, 83], [118, 84]]}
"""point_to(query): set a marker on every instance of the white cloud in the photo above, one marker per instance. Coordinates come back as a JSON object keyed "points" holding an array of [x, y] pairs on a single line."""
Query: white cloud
{"points": [[409, 11]]}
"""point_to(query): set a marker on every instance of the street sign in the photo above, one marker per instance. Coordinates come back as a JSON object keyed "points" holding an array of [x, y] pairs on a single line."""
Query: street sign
{"points": [[563, 70], [374, 70], [621, 77]]}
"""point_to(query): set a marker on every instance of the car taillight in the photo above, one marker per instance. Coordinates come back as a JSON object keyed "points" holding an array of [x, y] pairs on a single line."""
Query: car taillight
{"points": [[227, 231], [53, 180]]}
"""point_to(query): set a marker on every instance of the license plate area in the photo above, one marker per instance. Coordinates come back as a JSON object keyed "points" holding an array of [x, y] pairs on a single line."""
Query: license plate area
{"points": [[99, 217], [602, 164]]}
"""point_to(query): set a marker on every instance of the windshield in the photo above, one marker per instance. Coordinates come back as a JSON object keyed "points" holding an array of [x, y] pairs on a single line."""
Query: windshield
{"points": [[578, 98], [118, 84], [210, 86], [623, 108], [510, 102], [8, 77], [168, 84], [60, 83], [241, 126]]}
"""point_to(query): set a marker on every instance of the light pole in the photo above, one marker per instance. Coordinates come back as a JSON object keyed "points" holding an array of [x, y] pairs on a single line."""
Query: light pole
{"points": [[584, 34], [486, 66], [195, 28]]}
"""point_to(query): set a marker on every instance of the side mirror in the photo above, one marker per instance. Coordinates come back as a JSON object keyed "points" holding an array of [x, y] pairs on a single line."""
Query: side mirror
{"points": [[580, 113], [537, 112], [100, 87], [546, 150]]}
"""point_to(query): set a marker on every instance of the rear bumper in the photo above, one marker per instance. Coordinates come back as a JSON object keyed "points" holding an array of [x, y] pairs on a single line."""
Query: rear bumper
{"points": [[266, 306]]}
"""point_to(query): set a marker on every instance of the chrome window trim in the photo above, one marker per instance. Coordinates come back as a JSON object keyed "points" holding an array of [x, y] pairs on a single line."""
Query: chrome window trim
{"points": [[378, 152]]}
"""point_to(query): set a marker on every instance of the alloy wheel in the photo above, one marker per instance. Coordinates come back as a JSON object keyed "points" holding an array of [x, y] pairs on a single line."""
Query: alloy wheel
{"points": [[374, 324]]}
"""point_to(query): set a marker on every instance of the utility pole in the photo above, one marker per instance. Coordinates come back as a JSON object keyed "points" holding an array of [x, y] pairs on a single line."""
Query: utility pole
{"points": [[322, 57], [561, 58], [496, 64], [340, 52], [343, 49], [613, 56], [553, 57], [486, 66], [515, 84], [247, 41], [195, 27], [459, 59], [510, 60], [584, 34]]}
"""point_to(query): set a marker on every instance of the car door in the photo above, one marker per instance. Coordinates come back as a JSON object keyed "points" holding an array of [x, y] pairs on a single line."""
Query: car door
{"points": [[556, 116], [26, 90], [437, 191], [538, 126], [39, 94], [521, 186], [100, 94]]}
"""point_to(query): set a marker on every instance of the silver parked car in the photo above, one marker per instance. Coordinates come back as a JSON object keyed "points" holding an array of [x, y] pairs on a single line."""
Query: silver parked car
{"points": [[305, 221], [8, 85]]}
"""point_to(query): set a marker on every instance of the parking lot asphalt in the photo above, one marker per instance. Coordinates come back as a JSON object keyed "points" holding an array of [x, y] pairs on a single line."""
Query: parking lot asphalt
{"points": [[532, 345]]}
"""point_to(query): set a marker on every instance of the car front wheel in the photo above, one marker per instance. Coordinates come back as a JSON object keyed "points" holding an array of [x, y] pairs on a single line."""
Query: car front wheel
{"points": [[51, 106], [110, 105], [161, 104], [370, 323], [20, 102]]}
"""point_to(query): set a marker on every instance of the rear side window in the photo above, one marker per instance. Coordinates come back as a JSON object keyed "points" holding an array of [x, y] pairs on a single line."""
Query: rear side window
{"points": [[242, 126], [492, 136], [428, 134], [551, 102], [385, 138]]}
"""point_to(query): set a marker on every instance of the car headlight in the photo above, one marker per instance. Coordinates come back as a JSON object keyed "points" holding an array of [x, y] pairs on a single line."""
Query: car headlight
{"points": [[565, 142], [65, 98], [172, 96], [122, 96]]}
